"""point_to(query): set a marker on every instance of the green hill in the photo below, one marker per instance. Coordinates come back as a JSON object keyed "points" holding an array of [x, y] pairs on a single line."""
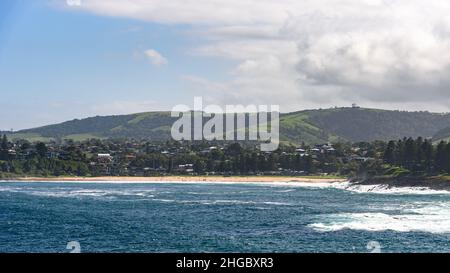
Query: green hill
{"points": [[309, 126], [358, 124], [443, 134]]}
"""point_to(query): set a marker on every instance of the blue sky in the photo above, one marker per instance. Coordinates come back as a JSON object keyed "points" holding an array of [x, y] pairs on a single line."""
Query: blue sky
{"points": [[59, 61], [58, 64]]}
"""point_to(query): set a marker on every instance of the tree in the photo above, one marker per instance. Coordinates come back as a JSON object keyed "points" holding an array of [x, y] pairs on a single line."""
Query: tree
{"points": [[441, 157], [82, 170], [427, 153], [409, 153], [389, 153], [234, 149], [447, 160], [399, 153], [4, 148], [309, 165], [25, 146], [199, 166], [41, 149], [4, 144]]}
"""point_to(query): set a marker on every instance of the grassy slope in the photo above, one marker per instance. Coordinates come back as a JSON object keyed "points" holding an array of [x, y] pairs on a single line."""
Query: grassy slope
{"points": [[32, 137], [298, 127]]}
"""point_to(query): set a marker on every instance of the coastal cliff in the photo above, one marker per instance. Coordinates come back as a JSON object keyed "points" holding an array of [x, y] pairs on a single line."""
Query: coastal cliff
{"points": [[434, 182]]}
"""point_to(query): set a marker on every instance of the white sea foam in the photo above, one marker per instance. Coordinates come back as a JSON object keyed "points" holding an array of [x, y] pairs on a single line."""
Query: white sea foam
{"points": [[319, 185], [285, 191], [431, 218], [76, 192], [234, 202], [240, 202], [222, 202], [386, 189], [199, 193], [164, 200]]}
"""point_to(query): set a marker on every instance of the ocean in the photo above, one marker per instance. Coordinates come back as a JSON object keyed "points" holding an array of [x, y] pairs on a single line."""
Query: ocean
{"points": [[220, 217]]}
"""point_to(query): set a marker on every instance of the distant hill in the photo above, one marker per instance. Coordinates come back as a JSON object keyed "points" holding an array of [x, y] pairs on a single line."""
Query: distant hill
{"points": [[309, 126], [151, 125], [443, 134], [357, 124]]}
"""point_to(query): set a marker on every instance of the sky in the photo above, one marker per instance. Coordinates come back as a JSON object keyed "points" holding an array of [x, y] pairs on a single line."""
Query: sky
{"points": [[67, 59]]}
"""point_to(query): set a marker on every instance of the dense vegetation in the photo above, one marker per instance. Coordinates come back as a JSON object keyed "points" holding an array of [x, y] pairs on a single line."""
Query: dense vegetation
{"points": [[418, 156], [408, 156], [310, 127]]}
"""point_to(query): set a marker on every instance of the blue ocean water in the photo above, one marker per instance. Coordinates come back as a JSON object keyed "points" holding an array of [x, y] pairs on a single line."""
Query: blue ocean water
{"points": [[219, 217]]}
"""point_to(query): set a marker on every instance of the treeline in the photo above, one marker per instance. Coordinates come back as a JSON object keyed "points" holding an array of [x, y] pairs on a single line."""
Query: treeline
{"points": [[139, 158], [44, 167], [419, 155], [133, 158], [37, 161], [233, 159]]}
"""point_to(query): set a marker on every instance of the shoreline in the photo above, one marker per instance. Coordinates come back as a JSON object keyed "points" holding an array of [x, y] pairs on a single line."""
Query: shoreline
{"points": [[432, 183], [386, 183], [208, 179]]}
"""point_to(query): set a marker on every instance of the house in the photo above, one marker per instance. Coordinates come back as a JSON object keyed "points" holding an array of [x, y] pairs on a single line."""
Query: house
{"points": [[209, 150], [205, 152], [186, 168], [104, 158], [358, 158], [130, 157]]}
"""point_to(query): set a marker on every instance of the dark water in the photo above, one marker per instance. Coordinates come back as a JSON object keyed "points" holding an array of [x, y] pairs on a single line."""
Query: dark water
{"points": [[198, 217]]}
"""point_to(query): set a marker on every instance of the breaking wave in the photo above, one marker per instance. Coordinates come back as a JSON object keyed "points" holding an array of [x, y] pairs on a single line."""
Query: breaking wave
{"points": [[386, 189], [431, 218], [78, 193]]}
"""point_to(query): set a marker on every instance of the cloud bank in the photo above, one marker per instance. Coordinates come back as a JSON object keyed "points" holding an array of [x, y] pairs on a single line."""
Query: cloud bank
{"points": [[318, 53]]}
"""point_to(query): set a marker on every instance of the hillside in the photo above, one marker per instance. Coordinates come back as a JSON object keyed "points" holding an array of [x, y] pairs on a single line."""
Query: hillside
{"points": [[309, 126], [357, 124], [443, 134], [151, 125]]}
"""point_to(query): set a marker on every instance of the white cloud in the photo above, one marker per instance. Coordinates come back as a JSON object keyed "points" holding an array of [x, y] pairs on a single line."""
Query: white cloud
{"points": [[314, 53], [155, 57], [205, 12]]}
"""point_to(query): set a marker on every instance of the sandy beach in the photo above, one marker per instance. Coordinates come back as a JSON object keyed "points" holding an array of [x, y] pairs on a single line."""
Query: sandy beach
{"points": [[234, 179]]}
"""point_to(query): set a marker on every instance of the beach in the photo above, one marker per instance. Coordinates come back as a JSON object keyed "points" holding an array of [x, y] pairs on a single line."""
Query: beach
{"points": [[234, 179]]}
